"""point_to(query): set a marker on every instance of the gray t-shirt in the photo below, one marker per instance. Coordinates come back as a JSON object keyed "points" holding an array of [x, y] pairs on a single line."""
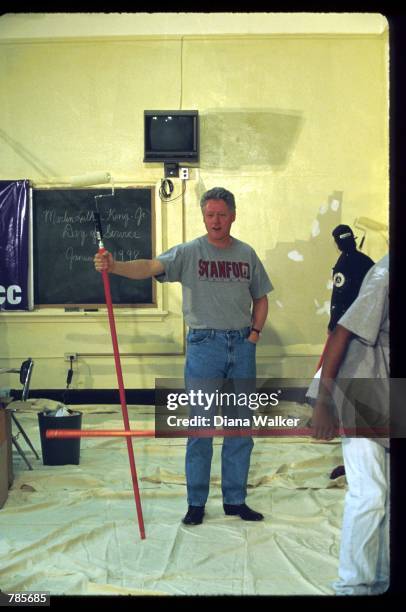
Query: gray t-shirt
{"points": [[368, 319], [218, 285], [366, 402]]}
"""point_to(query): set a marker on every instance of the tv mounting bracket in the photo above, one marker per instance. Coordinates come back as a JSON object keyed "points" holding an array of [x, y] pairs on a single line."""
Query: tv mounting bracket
{"points": [[171, 169]]}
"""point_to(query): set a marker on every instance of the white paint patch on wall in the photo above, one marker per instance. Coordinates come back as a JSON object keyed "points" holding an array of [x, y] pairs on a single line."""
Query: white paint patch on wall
{"points": [[323, 209], [335, 205], [315, 228], [295, 256], [329, 284], [325, 309], [279, 304]]}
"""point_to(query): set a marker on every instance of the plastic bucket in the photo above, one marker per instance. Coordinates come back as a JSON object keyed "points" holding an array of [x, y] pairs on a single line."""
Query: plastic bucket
{"points": [[59, 451]]}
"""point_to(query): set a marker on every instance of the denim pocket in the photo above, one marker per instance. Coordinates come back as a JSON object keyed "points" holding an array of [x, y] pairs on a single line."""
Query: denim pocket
{"points": [[198, 336]]}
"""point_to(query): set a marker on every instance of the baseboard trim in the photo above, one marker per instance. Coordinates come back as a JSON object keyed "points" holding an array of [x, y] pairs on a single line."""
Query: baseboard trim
{"points": [[145, 397]]}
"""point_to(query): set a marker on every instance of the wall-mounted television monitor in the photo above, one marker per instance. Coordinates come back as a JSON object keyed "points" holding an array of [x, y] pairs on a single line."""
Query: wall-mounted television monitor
{"points": [[171, 136]]}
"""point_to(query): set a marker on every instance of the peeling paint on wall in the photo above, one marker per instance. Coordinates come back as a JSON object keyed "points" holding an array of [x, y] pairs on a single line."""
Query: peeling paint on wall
{"points": [[315, 228], [325, 309], [295, 256]]}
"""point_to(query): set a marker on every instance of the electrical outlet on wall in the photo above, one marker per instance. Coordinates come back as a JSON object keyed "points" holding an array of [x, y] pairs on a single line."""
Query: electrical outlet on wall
{"points": [[184, 173]]}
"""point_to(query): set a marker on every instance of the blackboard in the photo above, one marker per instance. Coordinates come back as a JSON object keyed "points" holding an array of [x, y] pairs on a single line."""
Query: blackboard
{"points": [[64, 244]]}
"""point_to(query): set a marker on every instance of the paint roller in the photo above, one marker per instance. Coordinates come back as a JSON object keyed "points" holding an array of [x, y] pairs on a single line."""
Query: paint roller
{"points": [[365, 223], [109, 303], [82, 180], [91, 178]]}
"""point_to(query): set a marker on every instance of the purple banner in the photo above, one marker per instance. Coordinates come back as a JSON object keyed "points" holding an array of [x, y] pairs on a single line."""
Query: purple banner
{"points": [[14, 229]]}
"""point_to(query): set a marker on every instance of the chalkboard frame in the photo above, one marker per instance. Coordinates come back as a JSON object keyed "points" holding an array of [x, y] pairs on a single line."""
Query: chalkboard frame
{"points": [[71, 306]]}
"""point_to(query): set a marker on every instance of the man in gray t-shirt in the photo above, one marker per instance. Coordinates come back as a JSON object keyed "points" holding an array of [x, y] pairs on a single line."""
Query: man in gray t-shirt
{"points": [[225, 305], [359, 349], [218, 284]]}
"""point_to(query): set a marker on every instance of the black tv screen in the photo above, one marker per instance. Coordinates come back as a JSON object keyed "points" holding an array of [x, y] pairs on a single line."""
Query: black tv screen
{"points": [[171, 136]]}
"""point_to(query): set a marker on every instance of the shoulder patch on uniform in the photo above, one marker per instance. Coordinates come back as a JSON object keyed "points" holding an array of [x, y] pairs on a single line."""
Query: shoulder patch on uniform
{"points": [[338, 279]]}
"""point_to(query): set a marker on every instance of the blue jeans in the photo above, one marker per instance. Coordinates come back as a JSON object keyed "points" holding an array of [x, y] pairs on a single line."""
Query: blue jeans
{"points": [[213, 357]]}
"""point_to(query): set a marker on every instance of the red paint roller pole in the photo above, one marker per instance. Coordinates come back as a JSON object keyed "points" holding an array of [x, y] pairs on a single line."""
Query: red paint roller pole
{"points": [[210, 433], [120, 381]]}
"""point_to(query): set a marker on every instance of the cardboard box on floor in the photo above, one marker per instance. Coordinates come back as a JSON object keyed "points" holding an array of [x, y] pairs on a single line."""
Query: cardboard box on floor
{"points": [[6, 463]]}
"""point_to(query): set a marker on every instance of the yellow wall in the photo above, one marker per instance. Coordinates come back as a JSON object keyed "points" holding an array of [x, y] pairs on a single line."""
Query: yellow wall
{"points": [[295, 125]]}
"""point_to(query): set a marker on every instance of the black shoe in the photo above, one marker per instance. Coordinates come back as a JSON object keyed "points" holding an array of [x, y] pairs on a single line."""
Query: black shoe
{"points": [[337, 472], [243, 511], [194, 515]]}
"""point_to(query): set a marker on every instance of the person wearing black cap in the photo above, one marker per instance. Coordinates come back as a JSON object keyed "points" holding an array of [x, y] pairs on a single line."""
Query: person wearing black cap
{"points": [[348, 273]]}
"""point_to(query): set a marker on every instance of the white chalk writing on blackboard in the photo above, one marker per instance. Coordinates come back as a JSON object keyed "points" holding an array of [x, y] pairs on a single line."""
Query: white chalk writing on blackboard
{"points": [[120, 255], [65, 242], [51, 216]]}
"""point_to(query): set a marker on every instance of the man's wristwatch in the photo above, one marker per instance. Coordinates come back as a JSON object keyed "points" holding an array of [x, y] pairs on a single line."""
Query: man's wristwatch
{"points": [[254, 329]]}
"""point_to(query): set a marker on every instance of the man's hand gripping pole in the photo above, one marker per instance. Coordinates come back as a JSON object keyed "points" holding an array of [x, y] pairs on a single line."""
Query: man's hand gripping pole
{"points": [[109, 303]]}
